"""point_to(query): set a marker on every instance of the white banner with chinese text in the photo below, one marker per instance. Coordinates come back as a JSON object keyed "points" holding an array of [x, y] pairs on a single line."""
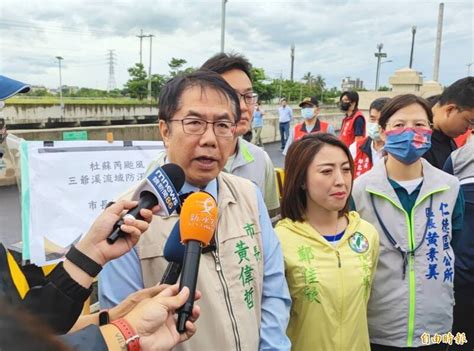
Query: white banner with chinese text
{"points": [[66, 184]]}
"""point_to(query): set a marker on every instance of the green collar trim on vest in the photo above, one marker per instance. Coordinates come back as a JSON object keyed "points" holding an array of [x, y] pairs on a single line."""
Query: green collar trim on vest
{"points": [[411, 271], [246, 153]]}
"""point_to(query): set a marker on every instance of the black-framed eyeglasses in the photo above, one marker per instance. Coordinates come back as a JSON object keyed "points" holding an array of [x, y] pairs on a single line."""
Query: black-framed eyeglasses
{"points": [[197, 126], [250, 98]]}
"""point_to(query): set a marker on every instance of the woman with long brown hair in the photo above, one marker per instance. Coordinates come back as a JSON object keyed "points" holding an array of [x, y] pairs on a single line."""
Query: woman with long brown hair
{"points": [[330, 254]]}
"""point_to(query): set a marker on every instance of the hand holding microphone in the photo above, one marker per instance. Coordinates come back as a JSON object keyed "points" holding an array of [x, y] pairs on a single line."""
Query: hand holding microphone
{"points": [[174, 254], [198, 221], [161, 188]]}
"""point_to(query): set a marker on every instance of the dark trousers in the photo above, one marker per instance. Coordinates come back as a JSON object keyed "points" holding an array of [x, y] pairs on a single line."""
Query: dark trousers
{"points": [[284, 133], [463, 317]]}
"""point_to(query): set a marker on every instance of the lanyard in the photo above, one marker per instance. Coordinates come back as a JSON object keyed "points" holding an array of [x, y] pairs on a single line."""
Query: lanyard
{"points": [[404, 253]]}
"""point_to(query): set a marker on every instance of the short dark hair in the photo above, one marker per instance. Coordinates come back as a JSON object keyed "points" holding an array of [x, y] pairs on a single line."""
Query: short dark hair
{"points": [[461, 93], [379, 103], [352, 96], [170, 96], [297, 161], [225, 62], [433, 100], [399, 102]]}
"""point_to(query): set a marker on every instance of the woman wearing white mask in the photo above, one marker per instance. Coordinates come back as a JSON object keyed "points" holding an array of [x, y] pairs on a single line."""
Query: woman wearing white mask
{"points": [[311, 123], [367, 151], [417, 210]]}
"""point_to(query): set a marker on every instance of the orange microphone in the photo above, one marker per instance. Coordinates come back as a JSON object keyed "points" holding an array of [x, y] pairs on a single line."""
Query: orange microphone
{"points": [[197, 223]]}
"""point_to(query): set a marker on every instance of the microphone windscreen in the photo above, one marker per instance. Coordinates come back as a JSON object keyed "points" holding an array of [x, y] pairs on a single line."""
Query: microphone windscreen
{"points": [[175, 174], [198, 218], [174, 250]]}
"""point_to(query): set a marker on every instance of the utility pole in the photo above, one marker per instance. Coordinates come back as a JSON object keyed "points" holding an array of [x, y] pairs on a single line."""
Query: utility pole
{"points": [[149, 70], [111, 85], [223, 25], [469, 68], [438, 42], [292, 60], [413, 32], [141, 36], [60, 88], [379, 55]]}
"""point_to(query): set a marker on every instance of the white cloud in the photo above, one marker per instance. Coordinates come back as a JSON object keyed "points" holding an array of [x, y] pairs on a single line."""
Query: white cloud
{"points": [[334, 39]]}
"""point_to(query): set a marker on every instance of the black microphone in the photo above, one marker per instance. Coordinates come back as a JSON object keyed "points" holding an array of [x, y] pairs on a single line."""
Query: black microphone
{"points": [[198, 220], [174, 254], [161, 187]]}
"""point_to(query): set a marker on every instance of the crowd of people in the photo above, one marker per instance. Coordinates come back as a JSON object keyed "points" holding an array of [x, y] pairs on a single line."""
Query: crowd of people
{"points": [[374, 249]]}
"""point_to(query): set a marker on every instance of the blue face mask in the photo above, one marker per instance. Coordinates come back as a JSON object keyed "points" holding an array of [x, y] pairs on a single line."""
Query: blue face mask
{"points": [[307, 112], [407, 145]]}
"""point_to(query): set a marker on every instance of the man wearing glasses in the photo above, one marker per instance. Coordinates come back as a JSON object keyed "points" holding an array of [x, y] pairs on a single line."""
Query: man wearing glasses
{"points": [[453, 115], [245, 301], [246, 159]]}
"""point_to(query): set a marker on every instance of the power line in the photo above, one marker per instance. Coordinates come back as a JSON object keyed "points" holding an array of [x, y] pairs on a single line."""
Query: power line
{"points": [[111, 85], [141, 36]]}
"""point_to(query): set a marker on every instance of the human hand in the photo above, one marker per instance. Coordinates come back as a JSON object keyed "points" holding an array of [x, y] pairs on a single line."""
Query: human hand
{"points": [[133, 300], [154, 320], [94, 243]]}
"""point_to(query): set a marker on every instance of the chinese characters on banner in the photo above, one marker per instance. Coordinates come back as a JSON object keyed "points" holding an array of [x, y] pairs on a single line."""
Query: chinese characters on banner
{"points": [[65, 186]]}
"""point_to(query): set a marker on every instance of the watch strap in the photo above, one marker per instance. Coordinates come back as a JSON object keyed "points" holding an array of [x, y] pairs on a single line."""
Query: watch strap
{"points": [[84, 262], [131, 338]]}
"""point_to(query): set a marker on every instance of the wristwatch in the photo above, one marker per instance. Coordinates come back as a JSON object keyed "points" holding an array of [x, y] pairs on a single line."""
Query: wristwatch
{"points": [[104, 317]]}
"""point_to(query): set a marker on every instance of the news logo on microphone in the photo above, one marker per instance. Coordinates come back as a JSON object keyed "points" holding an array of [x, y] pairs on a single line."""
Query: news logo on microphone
{"points": [[162, 186], [199, 218]]}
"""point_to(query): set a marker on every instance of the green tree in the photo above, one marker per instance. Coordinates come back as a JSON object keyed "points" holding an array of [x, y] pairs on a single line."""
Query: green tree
{"points": [[39, 92], [176, 65], [137, 85], [384, 88], [320, 83], [309, 78], [265, 91], [157, 83]]}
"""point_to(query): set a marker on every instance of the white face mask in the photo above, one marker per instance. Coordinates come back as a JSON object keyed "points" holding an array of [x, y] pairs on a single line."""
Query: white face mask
{"points": [[307, 113], [373, 130]]}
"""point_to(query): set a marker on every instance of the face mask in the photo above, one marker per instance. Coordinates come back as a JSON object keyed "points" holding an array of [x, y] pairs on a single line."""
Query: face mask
{"points": [[307, 112], [407, 145], [373, 130], [345, 106]]}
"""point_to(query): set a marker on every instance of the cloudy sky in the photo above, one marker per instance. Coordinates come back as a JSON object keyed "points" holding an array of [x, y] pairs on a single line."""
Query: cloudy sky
{"points": [[332, 38]]}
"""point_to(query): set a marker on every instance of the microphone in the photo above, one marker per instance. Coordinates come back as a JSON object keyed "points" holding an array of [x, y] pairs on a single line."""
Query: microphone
{"points": [[174, 254], [160, 187], [198, 221]]}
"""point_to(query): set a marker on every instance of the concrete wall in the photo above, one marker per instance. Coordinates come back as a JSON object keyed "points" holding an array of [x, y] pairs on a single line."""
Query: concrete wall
{"points": [[129, 132], [9, 171], [270, 131], [30, 113]]}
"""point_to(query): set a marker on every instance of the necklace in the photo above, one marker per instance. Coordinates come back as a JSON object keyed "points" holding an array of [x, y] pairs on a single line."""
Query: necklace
{"points": [[333, 239]]}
